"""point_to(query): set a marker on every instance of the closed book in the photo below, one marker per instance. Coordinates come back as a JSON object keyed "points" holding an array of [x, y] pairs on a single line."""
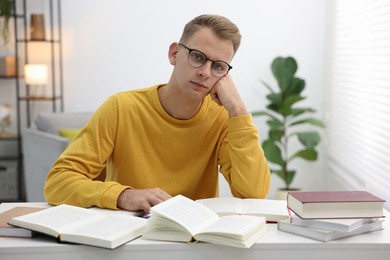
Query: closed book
{"points": [[341, 224], [335, 204], [328, 235], [11, 231]]}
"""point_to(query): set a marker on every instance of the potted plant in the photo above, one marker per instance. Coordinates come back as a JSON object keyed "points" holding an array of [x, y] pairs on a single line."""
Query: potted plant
{"points": [[284, 119], [6, 10]]}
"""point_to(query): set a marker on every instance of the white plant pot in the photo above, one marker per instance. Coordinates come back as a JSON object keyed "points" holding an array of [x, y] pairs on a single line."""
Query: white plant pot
{"points": [[281, 194]]}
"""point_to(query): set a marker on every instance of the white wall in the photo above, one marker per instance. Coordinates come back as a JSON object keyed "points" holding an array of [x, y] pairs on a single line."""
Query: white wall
{"points": [[117, 45]]}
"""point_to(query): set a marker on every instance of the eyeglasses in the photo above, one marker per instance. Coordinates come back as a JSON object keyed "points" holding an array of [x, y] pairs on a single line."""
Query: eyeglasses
{"points": [[197, 59]]}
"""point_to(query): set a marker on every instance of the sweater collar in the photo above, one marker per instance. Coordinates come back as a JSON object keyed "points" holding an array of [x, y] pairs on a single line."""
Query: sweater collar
{"points": [[180, 122]]}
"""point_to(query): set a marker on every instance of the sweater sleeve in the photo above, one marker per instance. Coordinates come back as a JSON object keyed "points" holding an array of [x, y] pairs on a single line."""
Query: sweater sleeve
{"points": [[242, 160], [70, 180]]}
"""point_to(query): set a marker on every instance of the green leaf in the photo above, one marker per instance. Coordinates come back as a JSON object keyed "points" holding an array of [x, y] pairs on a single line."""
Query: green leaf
{"points": [[275, 123], [297, 85], [288, 102], [275, 134], [260, 113], [307, 154], [309, 139], [287, 177], [290, 177], [272, 152], [265, 113], [274, 108], [299, 111], [280, 173], [310, 120], [275, 98], [284, 69]]}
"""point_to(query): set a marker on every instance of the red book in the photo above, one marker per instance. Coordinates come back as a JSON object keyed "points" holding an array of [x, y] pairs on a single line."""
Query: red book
{"points": [[335, 204], [11, 231]]}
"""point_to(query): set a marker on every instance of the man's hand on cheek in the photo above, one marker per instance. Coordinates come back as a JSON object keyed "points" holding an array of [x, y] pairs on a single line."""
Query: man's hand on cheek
{"points": [[225, 93]]}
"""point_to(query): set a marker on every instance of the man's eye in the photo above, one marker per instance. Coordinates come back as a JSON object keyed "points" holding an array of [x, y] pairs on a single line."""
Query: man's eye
{"points": [[197, 57], [220, 66]]}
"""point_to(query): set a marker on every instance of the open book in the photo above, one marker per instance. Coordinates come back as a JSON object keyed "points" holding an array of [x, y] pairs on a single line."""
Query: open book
{"points": [[272, 210], [182, 219], [83, 226]]}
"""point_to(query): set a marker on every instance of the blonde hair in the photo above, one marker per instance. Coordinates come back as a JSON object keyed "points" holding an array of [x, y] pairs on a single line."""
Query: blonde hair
{"points": [[220, 25]]}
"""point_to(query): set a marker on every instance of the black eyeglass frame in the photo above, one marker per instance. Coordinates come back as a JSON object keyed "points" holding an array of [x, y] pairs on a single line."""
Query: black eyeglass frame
{"points": [[206, 59]]}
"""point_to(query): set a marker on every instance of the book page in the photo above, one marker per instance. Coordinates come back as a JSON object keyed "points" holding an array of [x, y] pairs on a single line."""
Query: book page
{"points": [[55, 220], [238, 231], [331, 224], [223, 206], [139, 213], [106, 227], [106, 230], [239, 227], [271, 209], [186, 212]]}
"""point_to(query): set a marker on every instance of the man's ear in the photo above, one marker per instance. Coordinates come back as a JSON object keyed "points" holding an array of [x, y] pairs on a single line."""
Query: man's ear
{"points": [[173, 49]]}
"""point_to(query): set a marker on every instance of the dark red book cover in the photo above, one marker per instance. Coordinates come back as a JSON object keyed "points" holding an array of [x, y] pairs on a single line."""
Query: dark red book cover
{"points": [[334, 196]]}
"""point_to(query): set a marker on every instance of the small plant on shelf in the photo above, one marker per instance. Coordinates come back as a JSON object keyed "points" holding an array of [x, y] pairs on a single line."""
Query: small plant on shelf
{"points": [[6, 10]]}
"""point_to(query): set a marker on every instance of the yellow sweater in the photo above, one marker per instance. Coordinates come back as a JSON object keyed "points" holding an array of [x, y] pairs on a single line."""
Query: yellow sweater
{"points": [[144, 147]]}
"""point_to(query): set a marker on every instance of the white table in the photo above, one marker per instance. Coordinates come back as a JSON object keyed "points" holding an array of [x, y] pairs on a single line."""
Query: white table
{"points": [[274, 245]]}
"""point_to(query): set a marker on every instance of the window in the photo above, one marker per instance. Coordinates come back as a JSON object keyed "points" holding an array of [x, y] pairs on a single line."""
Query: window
{"points": [[358, 106]]}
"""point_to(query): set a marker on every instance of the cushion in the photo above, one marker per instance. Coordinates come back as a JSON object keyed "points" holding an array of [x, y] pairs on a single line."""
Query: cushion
{"points": [[53, 122], [69, 133]]}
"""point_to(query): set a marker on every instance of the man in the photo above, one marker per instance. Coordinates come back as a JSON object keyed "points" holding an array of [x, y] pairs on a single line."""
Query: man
{"points": [[171, 138]]}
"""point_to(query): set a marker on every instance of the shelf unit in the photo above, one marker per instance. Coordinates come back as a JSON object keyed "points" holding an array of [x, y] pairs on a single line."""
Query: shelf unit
{"points": [[25, 101]]}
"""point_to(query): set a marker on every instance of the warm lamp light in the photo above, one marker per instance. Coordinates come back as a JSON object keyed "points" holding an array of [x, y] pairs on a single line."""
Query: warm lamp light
{"points": [[35, 74]]}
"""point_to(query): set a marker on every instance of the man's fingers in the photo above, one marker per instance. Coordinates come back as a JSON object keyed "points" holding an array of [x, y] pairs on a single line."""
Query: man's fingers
{"points": [[161, 194], [214, 96], [154, 199], [141, 199], [145, 206]]}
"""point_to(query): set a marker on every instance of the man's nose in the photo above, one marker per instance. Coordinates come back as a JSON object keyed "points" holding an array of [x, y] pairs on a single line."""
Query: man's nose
{"points": [[205, 69]]}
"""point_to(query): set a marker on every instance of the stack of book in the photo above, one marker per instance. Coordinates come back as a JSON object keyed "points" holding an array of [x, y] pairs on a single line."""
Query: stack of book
{"points": [[330, 215]]}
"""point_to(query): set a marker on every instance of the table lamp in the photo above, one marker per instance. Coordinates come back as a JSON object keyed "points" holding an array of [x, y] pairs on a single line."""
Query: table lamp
{"points": [[35, 74]]}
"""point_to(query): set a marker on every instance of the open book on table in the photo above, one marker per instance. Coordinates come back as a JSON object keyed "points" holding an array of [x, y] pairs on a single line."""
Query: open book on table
{"points": [[272, 210], [83, 226], [182, 219]]}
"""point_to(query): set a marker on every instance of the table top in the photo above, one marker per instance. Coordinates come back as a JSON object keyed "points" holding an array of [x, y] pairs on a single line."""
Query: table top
{"points": [[274, 243]]}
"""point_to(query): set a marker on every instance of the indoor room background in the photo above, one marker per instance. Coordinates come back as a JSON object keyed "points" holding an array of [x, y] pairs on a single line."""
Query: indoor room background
{"points": [[118, 45]]}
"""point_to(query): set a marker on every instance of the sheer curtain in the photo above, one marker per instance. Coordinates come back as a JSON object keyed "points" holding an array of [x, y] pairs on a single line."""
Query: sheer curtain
{"points": [[358, 103]]}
